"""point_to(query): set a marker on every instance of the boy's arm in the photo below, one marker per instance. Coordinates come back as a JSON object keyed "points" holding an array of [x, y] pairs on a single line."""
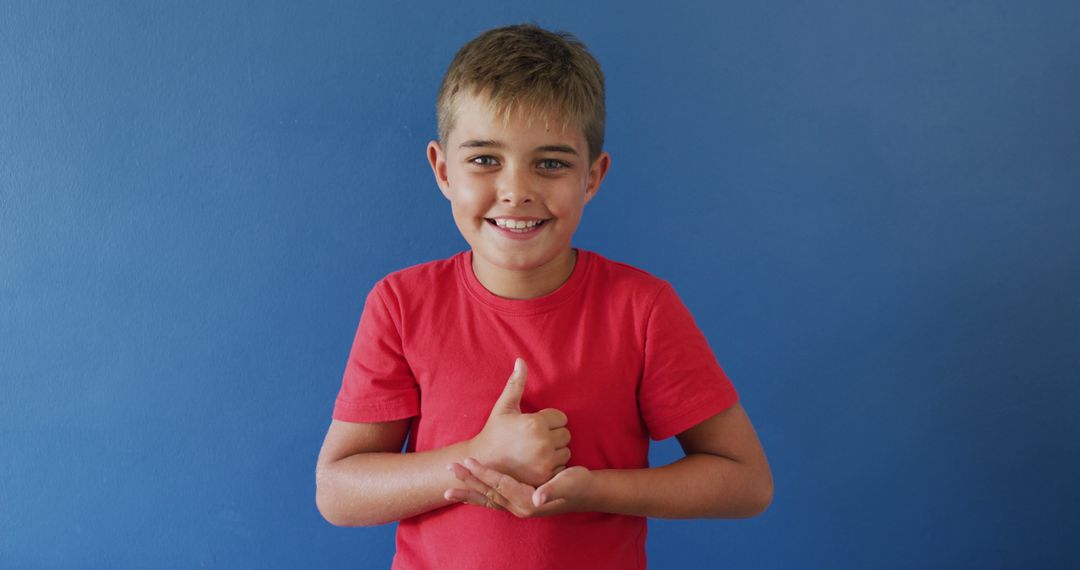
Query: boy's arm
{"points": [[724, 475], [362, 478]]}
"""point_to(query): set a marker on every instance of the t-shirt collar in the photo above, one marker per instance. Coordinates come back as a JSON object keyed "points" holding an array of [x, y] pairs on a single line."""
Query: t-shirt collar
{"points": [[540, 304]]}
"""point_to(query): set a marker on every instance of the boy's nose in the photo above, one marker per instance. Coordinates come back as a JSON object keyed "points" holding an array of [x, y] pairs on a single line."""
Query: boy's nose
{"points": [[514, 188], [515, 198]]}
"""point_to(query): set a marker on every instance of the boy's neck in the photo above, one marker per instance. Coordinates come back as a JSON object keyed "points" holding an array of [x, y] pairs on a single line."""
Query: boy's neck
{"points": [[527, 284]]}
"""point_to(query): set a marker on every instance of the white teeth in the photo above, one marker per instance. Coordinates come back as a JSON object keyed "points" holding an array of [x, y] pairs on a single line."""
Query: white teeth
{"points": [[517, 224]]}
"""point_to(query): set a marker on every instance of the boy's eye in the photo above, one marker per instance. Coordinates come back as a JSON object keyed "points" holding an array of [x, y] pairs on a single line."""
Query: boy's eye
{"points": [[552, 164], [484, 161]]}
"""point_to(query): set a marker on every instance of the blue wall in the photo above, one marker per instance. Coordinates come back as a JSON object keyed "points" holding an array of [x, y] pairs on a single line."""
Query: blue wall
{"points": [[871, 208]]}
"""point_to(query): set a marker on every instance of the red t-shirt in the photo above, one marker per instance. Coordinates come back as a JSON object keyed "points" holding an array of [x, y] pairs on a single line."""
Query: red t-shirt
{"points": [[613, 347]]}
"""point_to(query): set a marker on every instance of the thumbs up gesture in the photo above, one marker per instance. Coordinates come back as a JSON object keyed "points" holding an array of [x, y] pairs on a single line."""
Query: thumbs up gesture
{"points": [[529, 447]]}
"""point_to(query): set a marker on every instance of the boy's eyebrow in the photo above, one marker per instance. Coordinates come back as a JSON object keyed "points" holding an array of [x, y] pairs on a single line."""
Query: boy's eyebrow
{"points": [[477, 143], [487, 143], [558, 148]]}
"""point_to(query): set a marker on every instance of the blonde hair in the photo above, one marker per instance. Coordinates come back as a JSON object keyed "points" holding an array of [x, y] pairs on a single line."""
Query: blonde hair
{"points": [[525, 66]]}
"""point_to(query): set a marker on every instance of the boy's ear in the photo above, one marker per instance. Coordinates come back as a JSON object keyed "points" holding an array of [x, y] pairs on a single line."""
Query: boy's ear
{"points": [[437, 159], [597, 172]]}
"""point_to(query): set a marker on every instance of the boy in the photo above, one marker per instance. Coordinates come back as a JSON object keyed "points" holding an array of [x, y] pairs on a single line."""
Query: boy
{"points": [[548, 469]]}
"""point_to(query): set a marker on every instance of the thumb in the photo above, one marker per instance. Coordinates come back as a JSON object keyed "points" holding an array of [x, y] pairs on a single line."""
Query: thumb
{"points": [[555, 489], [510, 399]]}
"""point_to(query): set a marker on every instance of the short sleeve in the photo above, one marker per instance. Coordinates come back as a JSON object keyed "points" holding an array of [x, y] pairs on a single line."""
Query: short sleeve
{"points": [[378, 385], [682, 384]]}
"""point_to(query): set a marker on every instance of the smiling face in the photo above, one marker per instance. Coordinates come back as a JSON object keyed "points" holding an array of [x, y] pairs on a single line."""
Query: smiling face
{"points": [[519, 169]]}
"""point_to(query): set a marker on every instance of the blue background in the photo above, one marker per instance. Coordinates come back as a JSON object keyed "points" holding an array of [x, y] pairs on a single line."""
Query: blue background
{"points": [[871, 208]]}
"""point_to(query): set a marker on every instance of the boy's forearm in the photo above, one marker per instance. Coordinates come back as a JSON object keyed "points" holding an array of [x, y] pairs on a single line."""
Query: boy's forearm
{"points": [[376, 488], [699, 485]]}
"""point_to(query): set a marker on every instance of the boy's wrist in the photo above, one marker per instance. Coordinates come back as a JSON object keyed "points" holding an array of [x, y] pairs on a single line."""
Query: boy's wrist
{"points": [[613, 491], [475, 449], [596, 498]]}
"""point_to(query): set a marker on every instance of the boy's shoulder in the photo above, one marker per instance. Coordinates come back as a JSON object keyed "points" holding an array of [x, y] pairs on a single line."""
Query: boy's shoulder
{"points": [[625, 283], [432, 273], [623, 270], [623, 273]]}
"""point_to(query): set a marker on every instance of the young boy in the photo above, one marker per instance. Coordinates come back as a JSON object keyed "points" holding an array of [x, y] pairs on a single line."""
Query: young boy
{"points": [[549, 468]]}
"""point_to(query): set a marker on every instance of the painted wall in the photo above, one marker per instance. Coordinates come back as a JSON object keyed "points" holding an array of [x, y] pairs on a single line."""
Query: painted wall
{"points": [[871, 208]]}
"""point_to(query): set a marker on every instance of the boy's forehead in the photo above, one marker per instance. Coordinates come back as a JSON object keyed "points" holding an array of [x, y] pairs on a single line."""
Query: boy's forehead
{"points": [[475, 118]]}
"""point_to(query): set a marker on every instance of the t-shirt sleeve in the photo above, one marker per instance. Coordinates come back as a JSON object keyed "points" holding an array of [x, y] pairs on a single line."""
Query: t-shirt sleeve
{"points": [[378, 385], [682, 384]]}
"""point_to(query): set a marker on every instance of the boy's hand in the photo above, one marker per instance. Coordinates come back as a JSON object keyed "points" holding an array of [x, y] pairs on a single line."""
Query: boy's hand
{"points": [[566, 492], [529, 447]]}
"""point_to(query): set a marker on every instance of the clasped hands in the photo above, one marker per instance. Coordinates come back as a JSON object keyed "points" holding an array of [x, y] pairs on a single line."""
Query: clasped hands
{"points": [[518, 461]]}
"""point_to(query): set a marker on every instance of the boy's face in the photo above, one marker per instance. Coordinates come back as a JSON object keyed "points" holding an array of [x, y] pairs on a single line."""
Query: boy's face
{"points": [[494, 169]]}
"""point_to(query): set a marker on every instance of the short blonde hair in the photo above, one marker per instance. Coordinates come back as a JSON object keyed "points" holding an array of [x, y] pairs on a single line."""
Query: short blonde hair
{"points": [[551, 73]]}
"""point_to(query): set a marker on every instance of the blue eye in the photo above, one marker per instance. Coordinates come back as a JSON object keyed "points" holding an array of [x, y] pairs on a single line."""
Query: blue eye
{"points": [[483, 160], [552, 164]]}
